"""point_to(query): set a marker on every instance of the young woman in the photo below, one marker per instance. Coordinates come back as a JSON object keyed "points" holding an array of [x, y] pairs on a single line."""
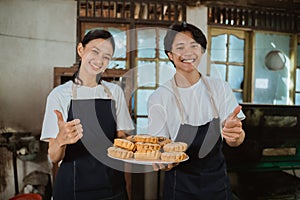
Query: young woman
{"points": [[82, 118], [200, 111]]}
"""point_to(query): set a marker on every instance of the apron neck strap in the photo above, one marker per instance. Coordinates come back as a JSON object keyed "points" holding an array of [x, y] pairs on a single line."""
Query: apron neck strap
{"points": [[179, 102], [75, 86], [216, 113]]}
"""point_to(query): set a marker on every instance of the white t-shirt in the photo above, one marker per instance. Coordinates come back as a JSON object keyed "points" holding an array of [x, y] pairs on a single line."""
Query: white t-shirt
{"points": [[60, 97], [164, 115]]}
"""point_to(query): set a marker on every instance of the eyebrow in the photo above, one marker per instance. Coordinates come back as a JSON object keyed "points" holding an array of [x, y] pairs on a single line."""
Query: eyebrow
{"points": [[182, 43]]}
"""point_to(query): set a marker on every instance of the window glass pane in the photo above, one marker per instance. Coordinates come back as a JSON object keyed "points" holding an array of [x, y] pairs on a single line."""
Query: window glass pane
{"points": [[270, 86], [298, 80], [146, 43], [218, 71], [218, 48], [236, 49], [120, 42], [239, 96], [141, 125], [142, 98], [162, 33], [166, 72], [146, 73], [297, 99], [235, 76]]}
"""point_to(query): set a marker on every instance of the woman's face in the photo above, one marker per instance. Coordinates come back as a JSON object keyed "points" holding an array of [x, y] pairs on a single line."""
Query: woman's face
{"points": [[186, 52], [95, 56]]}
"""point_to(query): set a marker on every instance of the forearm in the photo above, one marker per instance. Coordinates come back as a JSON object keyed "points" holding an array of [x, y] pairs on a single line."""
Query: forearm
{"points": [[56, 150]]}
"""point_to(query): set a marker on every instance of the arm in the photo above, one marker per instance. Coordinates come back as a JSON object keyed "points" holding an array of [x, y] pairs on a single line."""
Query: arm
{"points": [[56, 150], [121, 134]]}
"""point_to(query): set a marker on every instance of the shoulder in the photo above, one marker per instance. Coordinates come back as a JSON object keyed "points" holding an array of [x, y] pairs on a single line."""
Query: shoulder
{"points": [[216, 84], [164, 89], [116, 90], [61, 90], [162, 93], [112, 86]]}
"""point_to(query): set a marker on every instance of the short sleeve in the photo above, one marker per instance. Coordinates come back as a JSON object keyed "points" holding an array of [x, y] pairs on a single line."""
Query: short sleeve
{"points": [[50, 127], [228, 102]]}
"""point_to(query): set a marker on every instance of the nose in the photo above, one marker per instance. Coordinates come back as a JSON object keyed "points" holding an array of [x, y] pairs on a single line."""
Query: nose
{"points": [[188, 52], [99, 60]]}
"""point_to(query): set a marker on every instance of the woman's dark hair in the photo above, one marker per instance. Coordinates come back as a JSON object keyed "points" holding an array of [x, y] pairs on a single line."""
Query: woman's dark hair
{"points": [[92, 35], [175, 28]]}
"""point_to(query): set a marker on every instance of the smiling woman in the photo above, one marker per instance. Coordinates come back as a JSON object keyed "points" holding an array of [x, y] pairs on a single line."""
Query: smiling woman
{"points": [[70, 126]]}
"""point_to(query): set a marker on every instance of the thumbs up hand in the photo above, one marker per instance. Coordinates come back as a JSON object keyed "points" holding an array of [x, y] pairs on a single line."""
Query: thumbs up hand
{"points": [[69, 132], [232, 130]]}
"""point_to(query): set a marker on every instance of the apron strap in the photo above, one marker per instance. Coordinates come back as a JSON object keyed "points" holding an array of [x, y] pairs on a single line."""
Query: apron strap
{"points": [[211, 98], [178, 101], [106, 90]]}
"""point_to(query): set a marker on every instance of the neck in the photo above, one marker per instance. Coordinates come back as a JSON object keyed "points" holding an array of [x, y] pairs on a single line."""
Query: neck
{"points": [[187, 79], [88, 81]]}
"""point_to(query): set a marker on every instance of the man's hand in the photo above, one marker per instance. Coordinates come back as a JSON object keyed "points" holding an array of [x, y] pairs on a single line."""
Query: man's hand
{"points": [[232, 130], [164, 167]]}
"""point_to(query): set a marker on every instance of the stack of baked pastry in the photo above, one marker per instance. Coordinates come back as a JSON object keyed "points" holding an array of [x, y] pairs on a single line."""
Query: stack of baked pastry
{"points": [[148, 148]]}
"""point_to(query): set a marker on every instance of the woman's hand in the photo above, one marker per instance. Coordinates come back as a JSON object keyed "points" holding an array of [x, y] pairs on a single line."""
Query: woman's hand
{"points": [[232, 130], [69, 132]]}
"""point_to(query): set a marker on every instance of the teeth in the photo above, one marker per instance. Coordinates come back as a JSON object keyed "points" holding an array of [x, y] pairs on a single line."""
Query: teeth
{"points": [[95, 66], [189, 60]]}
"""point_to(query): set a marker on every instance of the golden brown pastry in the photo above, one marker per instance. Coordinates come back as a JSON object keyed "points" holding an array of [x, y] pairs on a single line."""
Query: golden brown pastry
{"points": [[145, 138], [173, 156], [119, 153], [143, 145], [147, 154], [125, 144], [175, 147], [163, 140]]}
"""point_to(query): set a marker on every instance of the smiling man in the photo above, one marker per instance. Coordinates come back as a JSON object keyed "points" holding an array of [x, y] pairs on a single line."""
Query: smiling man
{"points": [[200, 111]]}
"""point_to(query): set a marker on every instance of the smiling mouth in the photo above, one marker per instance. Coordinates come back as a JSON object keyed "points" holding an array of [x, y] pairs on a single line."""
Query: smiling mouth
{"points": [[96, 67], [188, 60]]}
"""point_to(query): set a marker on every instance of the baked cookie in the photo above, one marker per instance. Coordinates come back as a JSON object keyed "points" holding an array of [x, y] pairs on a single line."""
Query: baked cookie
{"points": [[119, 153], [145, 138], [175, 147], [143, 145], [147, 154], [125, 144], [163, 140], [173, 156]]}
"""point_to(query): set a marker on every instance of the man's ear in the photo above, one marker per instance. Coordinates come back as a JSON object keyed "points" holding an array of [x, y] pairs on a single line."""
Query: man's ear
{"points": [[170, 55], [80, 49]]}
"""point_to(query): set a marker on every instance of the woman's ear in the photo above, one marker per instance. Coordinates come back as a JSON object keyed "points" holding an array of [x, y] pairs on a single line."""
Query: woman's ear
{"points": [[80, 49]]}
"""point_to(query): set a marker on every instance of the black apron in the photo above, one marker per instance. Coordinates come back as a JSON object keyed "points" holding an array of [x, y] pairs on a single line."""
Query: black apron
{"points": [[204, 175], [81, 176]]}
